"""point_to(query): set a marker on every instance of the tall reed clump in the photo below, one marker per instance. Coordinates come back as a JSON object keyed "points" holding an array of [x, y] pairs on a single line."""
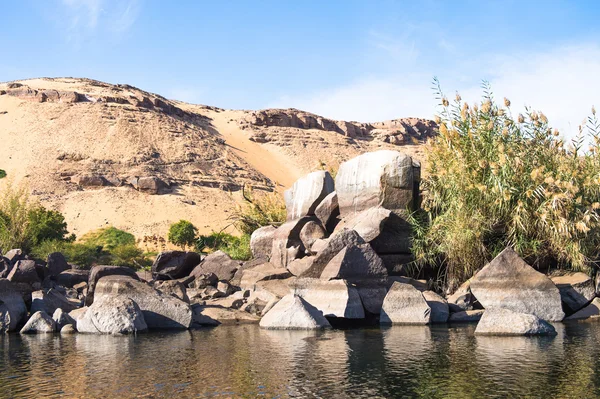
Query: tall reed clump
{"points": [[494, 179]]}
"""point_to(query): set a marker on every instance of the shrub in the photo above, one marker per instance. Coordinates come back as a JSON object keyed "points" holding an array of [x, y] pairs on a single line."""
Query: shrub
{"points": [[495, 180], [260, 210], [236, 247], [108, 238], [44, 224], [2, 174], [183, 234], [15, 205]]}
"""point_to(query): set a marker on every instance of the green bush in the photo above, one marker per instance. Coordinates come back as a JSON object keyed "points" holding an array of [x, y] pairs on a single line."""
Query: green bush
{"points": [[44, 225], [108, 238], [2, 174], [236, 247], [183, 234], [494, 180], [260, 210]]}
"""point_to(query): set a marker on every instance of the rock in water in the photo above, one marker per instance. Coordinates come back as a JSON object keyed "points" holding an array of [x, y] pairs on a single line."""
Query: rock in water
{"points": [[261, 242], [112, 315], [499, 321], [591, 311], [404, 304], [382, 178], [335, 298], [13, 303], [160, 311], [294, 313], [174, 264], [62, 319], [576, 290], [4, 318], [439, 307], [307, 193], [39, 322], [510, 283], [466, 316]]}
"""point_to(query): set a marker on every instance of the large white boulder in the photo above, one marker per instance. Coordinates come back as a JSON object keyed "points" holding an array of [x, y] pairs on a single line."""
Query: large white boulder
{"points": [[307, 193], [404, 304], [112, 315], [499, 321], [294, 313]]}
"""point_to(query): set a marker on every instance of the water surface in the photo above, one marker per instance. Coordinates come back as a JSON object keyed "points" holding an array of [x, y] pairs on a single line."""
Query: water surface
{"points": [[245, 361]]}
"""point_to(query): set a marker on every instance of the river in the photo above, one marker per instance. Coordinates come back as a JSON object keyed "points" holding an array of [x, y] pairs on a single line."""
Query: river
{"points": [[246, 361]]}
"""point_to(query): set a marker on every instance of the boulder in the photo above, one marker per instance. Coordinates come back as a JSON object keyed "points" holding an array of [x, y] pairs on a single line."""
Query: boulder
{"points": [[397, 264], [510, 283], [335, 244], [318, 246], [216, 315], [72, 277], [328, 212], [56, 264], [591, 311], [372, 296], [171, 265], [294, 313], [4, 318], [466, 316], [68, 329], [62, 319], [439, 307], [50, 300], [218, 263], [161, 311], [204, 280], [251, 264], [174, 288], [355, 263], [98, 272], [263, 272], [299, 266], [335, 298], [420, 285], [307, 193], [462, 298], [13, 304], [383, 178], [39, 322], [576, 290], [112, 315], [311, 232], [287, 244], [150, 185], [500, 321], [5, 267], [261, 242], [24, 271], [404, 304]]}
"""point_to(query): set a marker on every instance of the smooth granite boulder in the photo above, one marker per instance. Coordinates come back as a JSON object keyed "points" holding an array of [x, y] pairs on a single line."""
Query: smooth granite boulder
{"points": [[576, 290], [404, 304], [39, 323], [335, 298], [112, 315], [287, 244], [311, 232], [307, 193], [510, 283], [499, 321], [24, 271], [294, 313], [50, 300], [336, 243], [328, 212], [355, 263], [62, 319], [218, 263], [440, 311], [98, 272], [261, 242], [170, 265], [466, 316], [263, 272], [590, 312]]}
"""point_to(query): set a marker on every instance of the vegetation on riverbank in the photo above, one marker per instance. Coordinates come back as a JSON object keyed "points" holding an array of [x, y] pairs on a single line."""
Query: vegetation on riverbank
{"points": [[495, 179]]}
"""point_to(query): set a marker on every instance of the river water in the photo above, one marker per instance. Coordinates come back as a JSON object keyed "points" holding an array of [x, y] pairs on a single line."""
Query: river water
{"points": [[246, 361]]}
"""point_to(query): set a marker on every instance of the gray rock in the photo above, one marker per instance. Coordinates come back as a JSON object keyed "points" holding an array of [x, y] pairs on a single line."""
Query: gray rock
{"points": [[499, 321], [404, 304], [97, 272], [171, 265], [294, 313], [335, 244], [172, 287], [319, 245], [263, 272], [335, 298], [372, 296], [382, 178], [204, 280], [112, 315], [24, 271], [13, 304], [355, 263], [510, 283], [328, 212], [591, 312], [420, 285], [287, 244], [224, 287], [307, 193], [50, 300], [68, 329], [261, 242], [439, 307], [62, 319], [311, 232], [4, 318], [56, 264], [576, 290], [160, 311], [299, 266], [39, 322], [462, 298], [466, 316], [218, 263], [70, 278]]}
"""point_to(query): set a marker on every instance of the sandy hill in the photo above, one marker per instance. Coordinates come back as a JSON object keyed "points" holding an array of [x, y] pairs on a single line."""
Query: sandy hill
{"points": [[107, 154]]}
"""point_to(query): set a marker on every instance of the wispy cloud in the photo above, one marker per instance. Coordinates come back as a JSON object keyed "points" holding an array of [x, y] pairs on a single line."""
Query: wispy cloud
{"points": [[562, 82], [87, 18]]}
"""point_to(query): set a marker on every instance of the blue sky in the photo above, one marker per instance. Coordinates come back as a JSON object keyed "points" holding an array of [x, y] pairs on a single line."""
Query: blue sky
{"points": [[359, 60]]}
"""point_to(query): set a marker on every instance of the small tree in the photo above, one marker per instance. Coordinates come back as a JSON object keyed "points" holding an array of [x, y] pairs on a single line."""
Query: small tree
{"points": [[183, 234]]}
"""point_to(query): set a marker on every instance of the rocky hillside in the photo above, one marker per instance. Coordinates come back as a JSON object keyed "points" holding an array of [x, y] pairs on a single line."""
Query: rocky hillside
{"points": [[114, 154]]}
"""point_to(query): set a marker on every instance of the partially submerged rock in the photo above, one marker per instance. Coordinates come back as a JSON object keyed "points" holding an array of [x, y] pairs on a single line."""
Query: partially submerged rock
{"points": [[466, 316], [510, 283], [62, 319], [13, 305], [335, 298], [112, 315], [404, 304], [576, 290], [439, 307], [499, 321], [294, 313], [39, 322], [590, 312]]}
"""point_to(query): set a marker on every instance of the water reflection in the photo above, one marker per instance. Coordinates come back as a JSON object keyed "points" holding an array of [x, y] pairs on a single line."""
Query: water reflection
{"points": [[245, 361]]}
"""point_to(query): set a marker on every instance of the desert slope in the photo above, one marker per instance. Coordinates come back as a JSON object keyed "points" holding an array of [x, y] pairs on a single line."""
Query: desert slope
{"points": [[108, 154]]}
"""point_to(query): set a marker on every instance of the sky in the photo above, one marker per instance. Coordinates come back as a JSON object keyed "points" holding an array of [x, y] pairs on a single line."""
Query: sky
{"points": [[353, 60]]}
